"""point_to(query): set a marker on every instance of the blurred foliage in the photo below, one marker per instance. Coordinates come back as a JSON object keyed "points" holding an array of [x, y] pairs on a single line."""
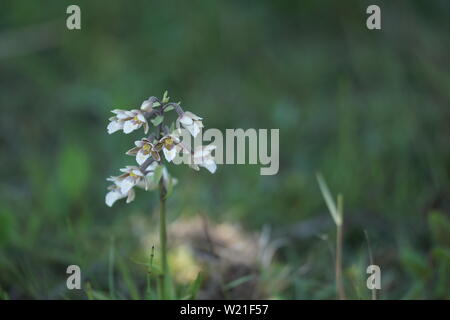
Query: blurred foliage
{"points": [[368, 109]]}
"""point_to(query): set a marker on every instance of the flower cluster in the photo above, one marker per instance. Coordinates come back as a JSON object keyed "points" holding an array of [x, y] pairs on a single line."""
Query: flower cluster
{"points": [[158, 147]]}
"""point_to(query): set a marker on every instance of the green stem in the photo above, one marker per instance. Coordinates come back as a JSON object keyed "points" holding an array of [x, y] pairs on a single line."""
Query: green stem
{"points": [[339, 235], [339, 282], [163, 238]]}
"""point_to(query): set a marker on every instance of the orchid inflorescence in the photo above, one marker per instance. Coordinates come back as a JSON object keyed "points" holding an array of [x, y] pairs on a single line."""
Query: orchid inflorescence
{"points": [[150, 171]]}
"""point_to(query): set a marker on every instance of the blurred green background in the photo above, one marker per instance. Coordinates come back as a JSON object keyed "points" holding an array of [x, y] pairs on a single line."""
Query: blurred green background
{"points": [[368, 109]]}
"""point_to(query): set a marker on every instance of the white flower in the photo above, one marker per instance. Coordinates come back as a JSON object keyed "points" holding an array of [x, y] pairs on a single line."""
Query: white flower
{"points": [[170, 146], [127, 121], [148, 104], [202, 158], [123, 185], [115, 194], [191, 122], [143, 150], [131, 177]]}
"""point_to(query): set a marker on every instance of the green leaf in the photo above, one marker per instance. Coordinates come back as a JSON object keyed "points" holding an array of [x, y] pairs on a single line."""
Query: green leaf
{"points": [[169, 108], [329, 200], [157, 120], [94, 294], [128, 280], [195, 287], [239, 281], [165, 98]]}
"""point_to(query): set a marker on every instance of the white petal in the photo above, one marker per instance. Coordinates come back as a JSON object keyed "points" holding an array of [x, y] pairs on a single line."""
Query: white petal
{"points": [[117, 111], [194, 166], [141, 117], [139, 143], [138, 172], [195, 129], [126, 185], [170, 154], [186, 120], [192, 116], [131, 196], [147, 105], [190, 128], [145, 127], [112, 197], [122, 114], [210, 165], [142, 183], [130, 126], [151, 168], [141, 157], [114, 126]]}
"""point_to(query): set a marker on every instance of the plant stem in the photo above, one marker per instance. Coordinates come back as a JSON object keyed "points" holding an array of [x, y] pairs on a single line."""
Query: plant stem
{"points": [[339, 233], [339, 284], [163, 237], [374, 290]]}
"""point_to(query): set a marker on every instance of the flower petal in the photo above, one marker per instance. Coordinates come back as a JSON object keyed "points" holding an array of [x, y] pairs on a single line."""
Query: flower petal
{"points": [[130, 126], [114, 126], [133, 151], [147, 105], [192, 116], [137, 172], [194, 166], [126, 185], [112, 197], [210, 166], [141, 117], [141, 157], [139, 143], [152, 166], [195, 129], [145, 127], [170, 154], [189, 128], [131, 195], [186, 120]]}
